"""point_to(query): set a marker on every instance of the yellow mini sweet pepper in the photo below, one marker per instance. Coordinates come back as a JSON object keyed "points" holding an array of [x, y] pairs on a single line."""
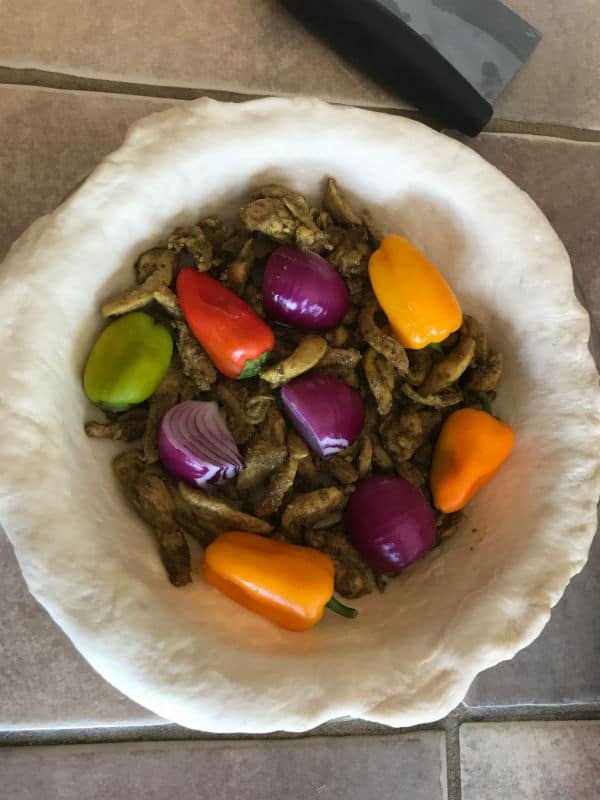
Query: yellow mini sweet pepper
{"points": [[420, 306], [288, 584], [471, 448]]}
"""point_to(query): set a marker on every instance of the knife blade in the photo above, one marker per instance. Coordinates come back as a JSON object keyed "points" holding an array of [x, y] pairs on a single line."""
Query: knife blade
{"points": [[408, 46], [486, 41]]}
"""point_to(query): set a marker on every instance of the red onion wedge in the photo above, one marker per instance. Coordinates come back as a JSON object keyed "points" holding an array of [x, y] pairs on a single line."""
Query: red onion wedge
{"points": [[327, 412], [303, 290], [195, 445], [389, 522]]}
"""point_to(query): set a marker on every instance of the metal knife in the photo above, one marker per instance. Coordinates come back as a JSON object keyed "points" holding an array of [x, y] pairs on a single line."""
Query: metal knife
{"points": [[451, 58]]}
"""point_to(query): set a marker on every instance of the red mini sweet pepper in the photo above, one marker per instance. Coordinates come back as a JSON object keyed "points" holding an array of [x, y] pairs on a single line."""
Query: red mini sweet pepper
{"points": [[236, 339]]}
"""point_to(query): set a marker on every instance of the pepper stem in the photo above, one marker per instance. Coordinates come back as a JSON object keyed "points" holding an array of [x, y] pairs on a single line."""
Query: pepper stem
{"points": [[341, 609], [486, 403], [254, 366], [436, 346]]}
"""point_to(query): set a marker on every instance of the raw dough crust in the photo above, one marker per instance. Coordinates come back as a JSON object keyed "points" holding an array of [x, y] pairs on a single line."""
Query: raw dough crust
{"points": [[191, 655]]}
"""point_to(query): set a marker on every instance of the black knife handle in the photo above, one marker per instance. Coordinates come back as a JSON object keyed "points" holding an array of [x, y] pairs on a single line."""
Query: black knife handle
{"points": [[381, 44]]}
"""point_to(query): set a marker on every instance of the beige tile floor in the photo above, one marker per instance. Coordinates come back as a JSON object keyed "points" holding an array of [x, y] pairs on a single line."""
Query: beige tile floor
{"points": [[50, 142], [252, 46]]}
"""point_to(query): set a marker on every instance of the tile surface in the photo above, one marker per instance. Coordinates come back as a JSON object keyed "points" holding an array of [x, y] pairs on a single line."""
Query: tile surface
{"points": [[253, 46], [563, 664], [44, 682], [410, 767], [51, 140], [558, 84], [563, 178], [531, 761]]}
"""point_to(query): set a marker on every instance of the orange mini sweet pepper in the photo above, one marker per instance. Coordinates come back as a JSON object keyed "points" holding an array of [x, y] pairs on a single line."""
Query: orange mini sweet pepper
{"points": [[470, 449], [288, 584], [419, 304]]}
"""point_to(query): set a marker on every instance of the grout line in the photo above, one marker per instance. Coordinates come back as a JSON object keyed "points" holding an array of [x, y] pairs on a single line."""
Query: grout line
{"points": [[550, 130], [62, 81], [570, 712], [171, 732], [159, 733], [38, 78], [453, 774]]}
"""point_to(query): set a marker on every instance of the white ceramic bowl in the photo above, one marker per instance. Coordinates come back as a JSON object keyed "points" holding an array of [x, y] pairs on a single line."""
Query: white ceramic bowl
{"points": [[190, 654]]}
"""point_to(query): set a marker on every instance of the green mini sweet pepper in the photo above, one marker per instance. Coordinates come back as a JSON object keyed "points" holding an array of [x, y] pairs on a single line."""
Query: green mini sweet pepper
{"points": [[127, 362]]}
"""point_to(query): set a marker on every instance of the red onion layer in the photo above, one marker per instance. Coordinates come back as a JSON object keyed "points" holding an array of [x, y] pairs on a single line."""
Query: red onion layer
{"points": [[195, 445]]}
